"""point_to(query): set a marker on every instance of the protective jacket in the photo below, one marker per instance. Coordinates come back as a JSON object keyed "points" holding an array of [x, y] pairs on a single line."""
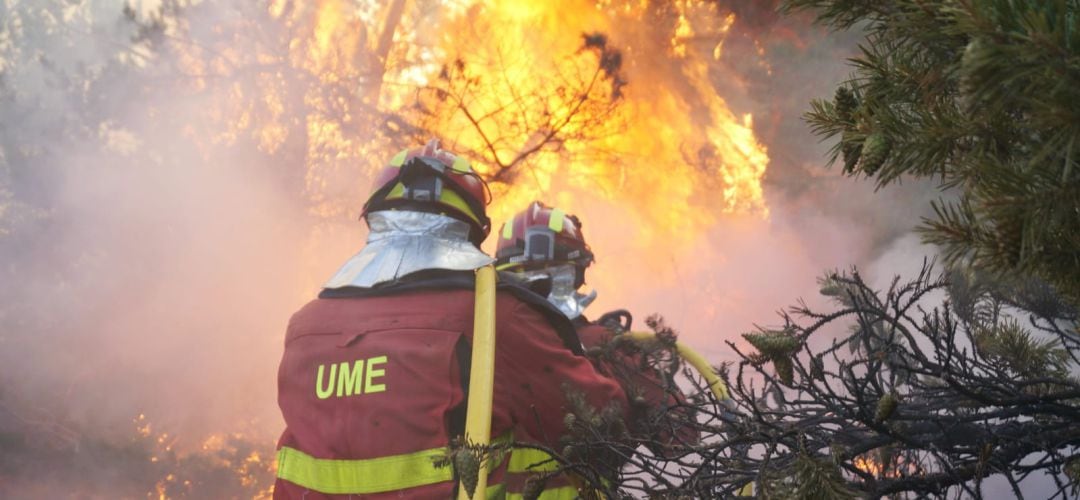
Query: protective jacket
{"points": [[373, 384]]}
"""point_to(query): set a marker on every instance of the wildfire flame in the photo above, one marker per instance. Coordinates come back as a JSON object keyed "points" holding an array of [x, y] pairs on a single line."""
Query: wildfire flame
{"points": [[869, 465], [518, 88], [886, 465], [225, 458]]}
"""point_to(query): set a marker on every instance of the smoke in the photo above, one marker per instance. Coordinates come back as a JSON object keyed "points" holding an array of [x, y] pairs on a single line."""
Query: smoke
{"points": [[147, 271], [745, 268], [152, 259]]}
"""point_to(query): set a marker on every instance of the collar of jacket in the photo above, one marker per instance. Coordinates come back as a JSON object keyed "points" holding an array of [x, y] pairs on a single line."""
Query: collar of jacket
{"points": [[438, 279], [558, 282], [403, 242]]}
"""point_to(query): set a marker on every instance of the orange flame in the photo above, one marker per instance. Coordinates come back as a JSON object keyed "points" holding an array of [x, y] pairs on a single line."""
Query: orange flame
{"points": [[868, 465], [894, 465], [523, 95], [670, 151], [183, 471]]}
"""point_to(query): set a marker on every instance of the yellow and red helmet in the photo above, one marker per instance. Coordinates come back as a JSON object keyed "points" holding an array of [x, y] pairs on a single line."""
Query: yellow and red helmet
{"points": [[542, 236], [430, 179]]}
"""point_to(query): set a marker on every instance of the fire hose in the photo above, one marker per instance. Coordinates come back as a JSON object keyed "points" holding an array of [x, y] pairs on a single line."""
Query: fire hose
{"points": [[481, 374], [715, 383], [482, 371], [694, 359]]}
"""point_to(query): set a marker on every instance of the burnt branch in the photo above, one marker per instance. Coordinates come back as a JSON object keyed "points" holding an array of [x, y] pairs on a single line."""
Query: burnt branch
{"points": [[508, 123], [893, 392]]}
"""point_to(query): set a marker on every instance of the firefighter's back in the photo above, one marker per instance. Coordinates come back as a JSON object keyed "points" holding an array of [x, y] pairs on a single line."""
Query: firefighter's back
{"points": [[372, 383], [376, 381], [372, 390]]}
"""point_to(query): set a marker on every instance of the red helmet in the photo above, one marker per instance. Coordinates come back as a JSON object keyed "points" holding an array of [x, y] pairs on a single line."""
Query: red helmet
{"points": [[430, 179], [540, 236]]}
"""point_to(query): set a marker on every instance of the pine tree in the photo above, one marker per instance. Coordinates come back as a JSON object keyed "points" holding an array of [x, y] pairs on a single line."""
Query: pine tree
{"points": [[923, 390], [983, 95]]}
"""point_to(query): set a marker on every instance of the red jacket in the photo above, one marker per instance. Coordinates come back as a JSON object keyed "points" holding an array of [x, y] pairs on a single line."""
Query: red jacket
{"points": [[367, 378]]}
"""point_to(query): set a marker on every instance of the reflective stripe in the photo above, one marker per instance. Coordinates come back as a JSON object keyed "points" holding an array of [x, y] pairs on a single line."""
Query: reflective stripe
{"points": [[451, 198], [373, 475], [531, 460], [555, 222], [396, 192], [508, 230], [560, 493], [461, 165], [399, 158]]}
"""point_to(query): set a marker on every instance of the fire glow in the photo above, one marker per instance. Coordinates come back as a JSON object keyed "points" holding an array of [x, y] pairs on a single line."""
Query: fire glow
{"points": [[895, 466], [514, 86]]}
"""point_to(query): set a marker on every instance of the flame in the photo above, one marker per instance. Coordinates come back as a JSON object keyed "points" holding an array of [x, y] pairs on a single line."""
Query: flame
{"points": [[221, 457], [893, 466], [606, 108], [665, 147], [636, 123], [583, 104], [869, 465]]}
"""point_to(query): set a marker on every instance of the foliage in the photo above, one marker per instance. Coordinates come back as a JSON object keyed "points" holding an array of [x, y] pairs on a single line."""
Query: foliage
{"points": [[983, 95], [912, 400]]}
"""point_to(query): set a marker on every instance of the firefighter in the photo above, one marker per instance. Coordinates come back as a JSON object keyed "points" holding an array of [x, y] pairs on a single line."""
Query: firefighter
{"points": [[544, 248], [374, 377]]}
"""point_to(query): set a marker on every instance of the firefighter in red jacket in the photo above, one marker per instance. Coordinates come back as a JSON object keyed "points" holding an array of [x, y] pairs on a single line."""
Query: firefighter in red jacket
{"points": [[374, 377], [545, 249]]}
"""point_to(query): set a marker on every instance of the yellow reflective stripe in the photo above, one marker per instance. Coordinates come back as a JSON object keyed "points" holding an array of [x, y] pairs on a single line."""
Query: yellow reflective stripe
{"points": [[560, 493], [396, 192], [399, 158], [555, 223], [508, 230], [508, 265], [451, 198], [461, 165], [531, 460], [373, 475]]}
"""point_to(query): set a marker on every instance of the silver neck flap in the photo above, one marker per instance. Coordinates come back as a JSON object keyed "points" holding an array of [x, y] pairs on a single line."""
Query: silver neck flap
{"points": [[564, 294], [402, 242]]}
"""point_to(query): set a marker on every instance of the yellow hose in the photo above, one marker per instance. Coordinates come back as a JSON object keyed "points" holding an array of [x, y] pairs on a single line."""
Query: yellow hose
{"points": [[716, 384], [481, 373]]}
